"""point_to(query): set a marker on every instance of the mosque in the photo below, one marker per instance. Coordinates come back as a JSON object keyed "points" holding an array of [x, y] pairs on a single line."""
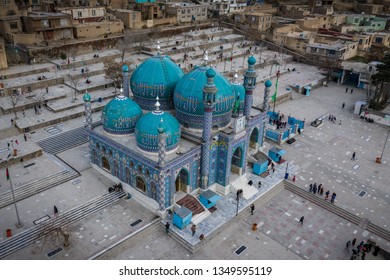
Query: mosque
{"points": [[181, 134]]}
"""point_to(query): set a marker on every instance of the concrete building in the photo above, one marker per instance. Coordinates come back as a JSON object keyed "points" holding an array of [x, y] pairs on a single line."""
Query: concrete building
{"points": [[91, 30], [48, 27], [370, 9], [84, 14], [380, 39], [291, 37], [324, 7], [187, 11], [10, 22], [256, 20], [364, 41], [366, 22], [133, 19], [338, 50]]}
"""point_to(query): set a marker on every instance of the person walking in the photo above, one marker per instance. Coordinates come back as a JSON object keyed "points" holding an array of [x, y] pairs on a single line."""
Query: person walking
{"points": [[314, 189], [348, 245], [311, 188], [343, 105], [353, 156], [333, 198], [167, 225], [301, 220], [346, 90], [327, 194], [55, 210], [353, 242], [193, 229], [252, 208], [294, 178], [376, 251], [250, 183], [25, 137], [259, 184], [351, 90]]}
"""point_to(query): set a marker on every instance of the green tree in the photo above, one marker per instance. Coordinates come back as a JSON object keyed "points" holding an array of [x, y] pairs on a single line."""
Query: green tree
{"points": [[381, 80]]}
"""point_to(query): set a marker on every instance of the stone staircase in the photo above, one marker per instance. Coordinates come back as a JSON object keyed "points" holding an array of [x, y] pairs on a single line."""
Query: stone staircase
{"points": [[191, 203], [244, 212], [64, 141], [242, 183], [76, 214], [37, 186], [318, 200]]}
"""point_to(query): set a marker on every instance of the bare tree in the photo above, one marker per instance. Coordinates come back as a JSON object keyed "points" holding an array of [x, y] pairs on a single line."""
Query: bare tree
{"points": [[14, 97], [39, 97], [328, 65], [73, 55], [75, 84], [122, 45], [114, 72], [140, 41]]}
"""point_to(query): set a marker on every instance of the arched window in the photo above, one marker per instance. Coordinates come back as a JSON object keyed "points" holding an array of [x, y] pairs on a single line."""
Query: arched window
{"points": [[140, 184], [116, 170], [105, 164], [139, 168], [97, 146], [104, 150], [128, 178]]}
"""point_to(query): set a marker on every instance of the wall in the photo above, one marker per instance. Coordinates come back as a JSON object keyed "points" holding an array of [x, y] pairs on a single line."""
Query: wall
{"points": [[98, 29], [3, 56]]}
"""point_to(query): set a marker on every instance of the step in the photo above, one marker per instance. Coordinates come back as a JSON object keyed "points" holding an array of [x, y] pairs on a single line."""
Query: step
{"points": [[381, 232], [25, 238]]}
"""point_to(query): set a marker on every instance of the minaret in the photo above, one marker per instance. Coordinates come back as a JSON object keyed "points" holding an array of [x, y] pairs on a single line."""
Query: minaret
{"points": [[125, 80], [161, 160], [267, 91], [209, 92], [249, 84], [88, 111]]}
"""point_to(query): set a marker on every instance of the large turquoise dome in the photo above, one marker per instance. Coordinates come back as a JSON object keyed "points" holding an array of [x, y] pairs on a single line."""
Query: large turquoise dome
{"points": [[188, 98], [148, 127], [156, 76], [120, 115]]}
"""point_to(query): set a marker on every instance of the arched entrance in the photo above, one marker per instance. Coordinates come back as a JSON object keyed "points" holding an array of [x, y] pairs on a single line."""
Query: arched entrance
{"points": [[183, 181], [106, 164], [237, 161], [140, 184], [254, 139]]}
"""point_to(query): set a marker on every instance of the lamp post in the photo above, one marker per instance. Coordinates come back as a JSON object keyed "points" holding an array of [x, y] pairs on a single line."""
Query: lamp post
{"points": [[384, 146], [19, 224]]}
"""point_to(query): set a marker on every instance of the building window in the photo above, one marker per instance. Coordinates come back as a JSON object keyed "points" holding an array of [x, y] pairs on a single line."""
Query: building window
{"points": [[360, 41], [45, 23], [94, 12], [79, 14], [378, 40], [13, 25], [64, 22]]}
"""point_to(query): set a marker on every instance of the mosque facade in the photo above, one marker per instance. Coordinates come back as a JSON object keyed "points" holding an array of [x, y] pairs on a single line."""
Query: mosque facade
{"points": [[181, 133]]}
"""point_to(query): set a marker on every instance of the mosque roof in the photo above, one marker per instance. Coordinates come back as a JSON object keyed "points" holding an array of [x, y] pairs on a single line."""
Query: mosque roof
{"points": [[120, 115], [153, 123], [188, 95], [156, 76]]}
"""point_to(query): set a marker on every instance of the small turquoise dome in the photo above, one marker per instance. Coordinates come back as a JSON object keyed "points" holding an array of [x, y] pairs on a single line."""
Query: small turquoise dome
{"points": [[149, 127], [251, 60], [120, 115], [268, 83], [188, 98], [86, 97], [125, 68], [210, 73], [156, 76]]}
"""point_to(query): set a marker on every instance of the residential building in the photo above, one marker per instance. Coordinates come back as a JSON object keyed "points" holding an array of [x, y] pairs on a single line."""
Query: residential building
{"points": [[380, 39], [338, 50], [366, 22], [84, 14], [150, 10], [48, 27], [3, 56], [324, 7], [90, 30], [370, 9], [10, 22], [256, 20], [187, 11], [364, 41]]}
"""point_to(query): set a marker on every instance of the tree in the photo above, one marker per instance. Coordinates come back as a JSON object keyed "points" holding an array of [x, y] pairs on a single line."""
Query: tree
{"points": [[75, 84], [114, 72], [329, 65], [39, 97], [14, 98], [382, 82], [123, 44]]}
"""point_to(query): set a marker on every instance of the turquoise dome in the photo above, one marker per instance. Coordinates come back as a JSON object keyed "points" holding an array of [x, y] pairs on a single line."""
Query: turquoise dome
{"points": [[120, 115], [268, 83], [210, 73], [188, 98], [125, 68], [156, 76], [251, 60], [149, 127], [86, 97]]}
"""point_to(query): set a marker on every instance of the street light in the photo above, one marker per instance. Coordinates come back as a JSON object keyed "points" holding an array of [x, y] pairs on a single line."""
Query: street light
{"points": [[19, 224], [379, 160]]}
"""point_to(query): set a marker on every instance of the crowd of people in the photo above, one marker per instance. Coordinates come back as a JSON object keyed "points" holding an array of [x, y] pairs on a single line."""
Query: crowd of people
{"points": [[313, 188], [361, 250]]}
